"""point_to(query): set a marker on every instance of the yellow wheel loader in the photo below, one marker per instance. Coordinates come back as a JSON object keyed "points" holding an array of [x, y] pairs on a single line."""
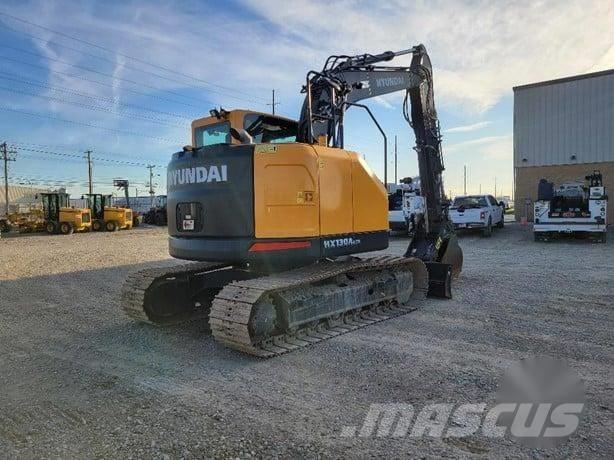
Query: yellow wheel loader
{"points": [[105, 216], [276, 211], [61, 218]]}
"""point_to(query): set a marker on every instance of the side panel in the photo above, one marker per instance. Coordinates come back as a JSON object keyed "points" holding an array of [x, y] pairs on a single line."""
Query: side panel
{"points": [[286, 191], [336, 216], [370, 199]]}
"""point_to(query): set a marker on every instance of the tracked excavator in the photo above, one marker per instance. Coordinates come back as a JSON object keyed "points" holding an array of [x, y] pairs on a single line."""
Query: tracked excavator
{"points": [[275, 212]]}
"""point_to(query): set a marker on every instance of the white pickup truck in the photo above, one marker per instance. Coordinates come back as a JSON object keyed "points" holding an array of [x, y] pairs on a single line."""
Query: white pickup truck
{"points": [[476, 211]]}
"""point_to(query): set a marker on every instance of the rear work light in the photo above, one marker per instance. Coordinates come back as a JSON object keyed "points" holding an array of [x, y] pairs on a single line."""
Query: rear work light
{"points": [[279, 246]]}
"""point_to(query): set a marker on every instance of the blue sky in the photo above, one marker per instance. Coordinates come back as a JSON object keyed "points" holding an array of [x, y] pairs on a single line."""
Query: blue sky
{"points": [[139, 71]]}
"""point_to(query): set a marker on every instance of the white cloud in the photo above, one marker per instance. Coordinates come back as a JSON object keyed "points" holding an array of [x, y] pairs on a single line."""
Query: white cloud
{"points": [[383, 102], [501, 148], [469, 128], [479, 142], [480, 50]]}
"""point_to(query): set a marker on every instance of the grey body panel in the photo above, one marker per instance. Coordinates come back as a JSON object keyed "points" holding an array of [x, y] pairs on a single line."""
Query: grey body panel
{"points": [[227, 205]]}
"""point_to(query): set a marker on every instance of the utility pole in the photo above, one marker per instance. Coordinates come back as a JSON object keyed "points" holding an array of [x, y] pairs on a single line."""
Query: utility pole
{"points": [[396, 180], [465, 180], [5, 157], [273, 103], [89, 169], [495, 188], [151, 190]]}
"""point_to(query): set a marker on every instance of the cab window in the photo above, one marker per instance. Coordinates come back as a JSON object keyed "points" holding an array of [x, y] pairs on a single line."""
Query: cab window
{"points": [[218, 133], [268, 129]]}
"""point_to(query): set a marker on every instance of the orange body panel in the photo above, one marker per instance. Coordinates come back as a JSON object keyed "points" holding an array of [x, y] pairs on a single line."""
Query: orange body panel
{"points": [[285, 191], [370, 199], [305, 190], [336, 216]]}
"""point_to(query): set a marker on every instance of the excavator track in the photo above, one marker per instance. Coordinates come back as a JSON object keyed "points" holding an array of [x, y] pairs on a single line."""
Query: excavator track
{"points": [[236, 309], [137, 291]]}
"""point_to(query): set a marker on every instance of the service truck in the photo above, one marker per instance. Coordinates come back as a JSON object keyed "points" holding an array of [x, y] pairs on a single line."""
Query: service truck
{"points": [[572, 208]]}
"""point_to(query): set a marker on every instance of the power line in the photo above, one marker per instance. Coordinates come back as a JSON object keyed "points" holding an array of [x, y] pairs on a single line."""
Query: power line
{"points": [[67, 181], [111, 76], [142, 61], [89, 80], [91, 107], [79, 157], [163, 77], [112, 100], [89, 125], [45, 148]]}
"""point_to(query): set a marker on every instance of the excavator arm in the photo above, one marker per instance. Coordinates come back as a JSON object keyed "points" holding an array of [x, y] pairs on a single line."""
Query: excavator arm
{"points": [[346, 80]]}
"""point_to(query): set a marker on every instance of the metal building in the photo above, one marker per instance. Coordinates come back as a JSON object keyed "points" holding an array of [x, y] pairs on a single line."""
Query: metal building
{"points": [[20, 198], [563, 130]]}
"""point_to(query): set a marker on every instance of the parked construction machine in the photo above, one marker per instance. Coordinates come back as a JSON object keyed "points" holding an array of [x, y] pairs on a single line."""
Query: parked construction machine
{"points": [[105, 215], [23, 222], [123, 184], [276, 212], [157, 214], [61, 218]]}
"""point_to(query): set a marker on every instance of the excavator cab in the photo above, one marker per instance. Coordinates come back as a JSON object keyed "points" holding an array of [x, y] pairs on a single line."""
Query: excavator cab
{"points": [[105, 215], [242, 127], [60, 217]]}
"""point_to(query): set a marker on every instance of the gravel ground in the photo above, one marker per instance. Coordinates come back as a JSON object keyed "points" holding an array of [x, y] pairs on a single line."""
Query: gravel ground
{"points": [[79, 379]]}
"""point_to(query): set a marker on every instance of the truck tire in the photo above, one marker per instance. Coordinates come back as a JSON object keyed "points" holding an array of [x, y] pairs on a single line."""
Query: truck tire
{"points": [[97, 225], [159, 219], [66, 228], [111, 226], [5, 227], [501, 223], [51, 228], [487, 232]]}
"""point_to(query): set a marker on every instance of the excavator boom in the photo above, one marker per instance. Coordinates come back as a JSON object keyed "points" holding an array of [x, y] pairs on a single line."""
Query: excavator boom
{"points": [[346, 80]]}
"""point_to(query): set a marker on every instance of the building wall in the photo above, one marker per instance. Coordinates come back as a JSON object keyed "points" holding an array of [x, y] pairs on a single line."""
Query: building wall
{"points": [[527, 179], [566, 121]]}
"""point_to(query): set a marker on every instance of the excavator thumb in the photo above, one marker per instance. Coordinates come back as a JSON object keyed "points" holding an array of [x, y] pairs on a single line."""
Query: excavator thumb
{"points": [[441, 273], [453, 255]]}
